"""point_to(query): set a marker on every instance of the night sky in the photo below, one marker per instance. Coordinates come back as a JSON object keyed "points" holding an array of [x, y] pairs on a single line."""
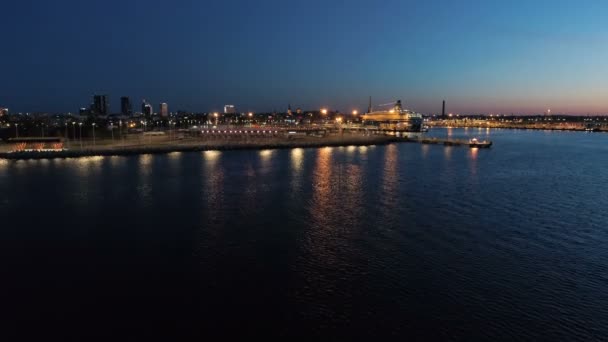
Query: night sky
{"points": [[481, 56]]}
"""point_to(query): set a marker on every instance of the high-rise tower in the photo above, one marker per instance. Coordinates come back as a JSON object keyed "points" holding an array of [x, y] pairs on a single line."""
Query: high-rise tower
{"points": [[125, 106], [164, 110], [146, 109], [101, 105]]}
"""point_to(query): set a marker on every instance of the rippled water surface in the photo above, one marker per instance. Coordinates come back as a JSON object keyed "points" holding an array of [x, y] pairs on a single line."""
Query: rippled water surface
{"points": [[409, 240]]}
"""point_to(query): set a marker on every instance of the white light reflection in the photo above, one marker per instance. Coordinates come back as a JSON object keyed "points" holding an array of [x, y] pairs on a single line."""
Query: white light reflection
{"points": [[425, 150], [297, 158], [211, 157], [447, 152], [86, 165]]}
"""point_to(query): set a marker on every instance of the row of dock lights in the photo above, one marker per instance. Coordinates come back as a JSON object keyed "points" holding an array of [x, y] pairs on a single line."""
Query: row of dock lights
{"points": [[230, 132]]}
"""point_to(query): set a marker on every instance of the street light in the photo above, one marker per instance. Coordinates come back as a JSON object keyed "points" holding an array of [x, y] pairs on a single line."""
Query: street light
{"points": [[80, 126], [145, 127], [324, 111], [16, 130], [74, 130], [120, 131], [112, 131], [355, 112], [93, 134]]}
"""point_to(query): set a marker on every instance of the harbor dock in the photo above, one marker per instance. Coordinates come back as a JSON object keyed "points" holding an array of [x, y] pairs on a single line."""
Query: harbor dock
{"points": [[35, 148], [473, 143]]}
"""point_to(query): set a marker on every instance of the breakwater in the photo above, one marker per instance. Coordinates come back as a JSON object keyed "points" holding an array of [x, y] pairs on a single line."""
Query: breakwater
{"points": [[216, 145]]}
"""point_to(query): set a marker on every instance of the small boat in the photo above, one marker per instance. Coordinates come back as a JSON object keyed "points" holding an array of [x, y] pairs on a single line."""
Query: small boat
{"points": [[479, 144]]}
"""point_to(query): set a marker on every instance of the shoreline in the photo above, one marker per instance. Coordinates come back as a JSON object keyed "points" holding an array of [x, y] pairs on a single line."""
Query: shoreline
{"points": [[202, 146], [525, 128]]}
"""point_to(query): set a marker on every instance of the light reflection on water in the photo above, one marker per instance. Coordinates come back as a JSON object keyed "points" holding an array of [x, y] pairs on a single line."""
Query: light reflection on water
{"points": [[297, 166], [3, 164], [145, 181], [175, 161], [425, 149], [322, 188], [297, 159], [212, 157], [473, 153], [322, 232], [145, 164], [213, 175], [87, 166], [390, 185], [266, 157], [447, 152]]}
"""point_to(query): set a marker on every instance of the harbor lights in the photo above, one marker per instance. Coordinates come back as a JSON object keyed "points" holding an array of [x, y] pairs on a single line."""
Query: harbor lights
{"points": [[355, 112], [324, 112]]}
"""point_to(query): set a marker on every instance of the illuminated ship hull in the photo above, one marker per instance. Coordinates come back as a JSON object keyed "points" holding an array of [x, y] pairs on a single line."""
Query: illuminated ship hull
{"points": [[396, 119]]}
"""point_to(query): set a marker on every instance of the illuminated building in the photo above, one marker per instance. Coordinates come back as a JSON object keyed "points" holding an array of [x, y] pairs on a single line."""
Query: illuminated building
{"points": [[229, 109], [146, 109], [164, 110]]}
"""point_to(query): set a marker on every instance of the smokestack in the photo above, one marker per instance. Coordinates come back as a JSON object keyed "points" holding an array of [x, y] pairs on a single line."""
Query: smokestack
{"points": [[369, 108], [443, 110]]}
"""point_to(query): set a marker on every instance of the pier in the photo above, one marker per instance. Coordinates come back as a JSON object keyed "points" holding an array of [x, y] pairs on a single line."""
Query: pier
{"points": [[473, 143], [218, 139]]}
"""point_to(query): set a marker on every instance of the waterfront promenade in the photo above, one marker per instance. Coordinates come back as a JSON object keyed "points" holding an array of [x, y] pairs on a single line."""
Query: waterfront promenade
{"points": [[140, 144]]}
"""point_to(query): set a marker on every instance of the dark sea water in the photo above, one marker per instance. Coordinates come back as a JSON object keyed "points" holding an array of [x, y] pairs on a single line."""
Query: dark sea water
{"points": [[406, 240]]}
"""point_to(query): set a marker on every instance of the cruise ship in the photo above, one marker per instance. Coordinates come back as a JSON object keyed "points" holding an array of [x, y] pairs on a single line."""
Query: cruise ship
{"points": [[397, 119]]}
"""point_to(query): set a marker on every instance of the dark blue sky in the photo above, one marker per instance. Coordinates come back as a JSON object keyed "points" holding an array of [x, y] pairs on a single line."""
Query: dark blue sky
{"points": [[494, 56]]}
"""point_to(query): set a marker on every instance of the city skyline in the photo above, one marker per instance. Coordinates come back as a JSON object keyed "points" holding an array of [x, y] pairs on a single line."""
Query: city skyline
{"points": [[481, 57]]}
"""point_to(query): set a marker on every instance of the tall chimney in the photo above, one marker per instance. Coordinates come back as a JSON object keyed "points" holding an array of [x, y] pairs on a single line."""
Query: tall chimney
{"points": [[443, 110]]}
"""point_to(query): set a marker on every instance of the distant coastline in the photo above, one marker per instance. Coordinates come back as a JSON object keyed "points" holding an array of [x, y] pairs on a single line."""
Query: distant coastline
{"points": [[537, 127]]}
